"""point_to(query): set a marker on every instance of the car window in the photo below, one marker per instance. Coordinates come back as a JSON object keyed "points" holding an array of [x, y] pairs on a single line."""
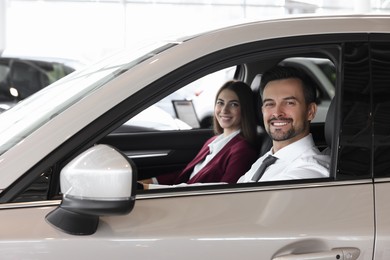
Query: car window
{"points": [[381, 115], [49, 102], [194, 111]]}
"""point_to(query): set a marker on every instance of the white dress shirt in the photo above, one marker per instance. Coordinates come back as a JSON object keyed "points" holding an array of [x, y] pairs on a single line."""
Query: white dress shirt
{"points": [[299, 160]]}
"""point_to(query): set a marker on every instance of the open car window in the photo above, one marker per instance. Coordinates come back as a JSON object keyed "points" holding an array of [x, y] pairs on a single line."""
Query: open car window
{"points": [[194, 112]]}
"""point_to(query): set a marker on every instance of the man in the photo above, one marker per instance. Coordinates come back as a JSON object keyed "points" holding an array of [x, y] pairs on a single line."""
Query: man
{"points": [[288, 107]]}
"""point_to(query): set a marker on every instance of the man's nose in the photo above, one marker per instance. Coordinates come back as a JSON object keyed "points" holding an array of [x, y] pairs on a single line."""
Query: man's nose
{"points": [[278, 111]]}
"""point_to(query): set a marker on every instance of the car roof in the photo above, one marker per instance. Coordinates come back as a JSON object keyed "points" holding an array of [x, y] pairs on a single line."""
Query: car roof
{"points": [[309, 24]]}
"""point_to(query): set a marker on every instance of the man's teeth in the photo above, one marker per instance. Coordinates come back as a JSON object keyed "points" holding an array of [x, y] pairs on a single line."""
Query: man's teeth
{"points": [[279, 124]]}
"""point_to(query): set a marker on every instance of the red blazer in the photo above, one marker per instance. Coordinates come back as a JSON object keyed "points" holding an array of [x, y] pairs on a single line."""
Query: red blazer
{"points": [[235, 159]]}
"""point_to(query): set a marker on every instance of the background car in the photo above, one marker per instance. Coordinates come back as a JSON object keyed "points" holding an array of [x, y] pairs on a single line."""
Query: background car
{"points": [[151, 119], [21, 76], [68, 179]]}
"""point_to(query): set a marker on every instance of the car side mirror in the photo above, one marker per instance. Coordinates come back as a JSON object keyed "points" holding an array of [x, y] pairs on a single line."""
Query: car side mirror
{"points": [[100, 181]]}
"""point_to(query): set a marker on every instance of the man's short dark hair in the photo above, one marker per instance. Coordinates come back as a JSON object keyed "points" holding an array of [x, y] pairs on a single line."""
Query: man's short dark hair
{"points": [[287, 72]]}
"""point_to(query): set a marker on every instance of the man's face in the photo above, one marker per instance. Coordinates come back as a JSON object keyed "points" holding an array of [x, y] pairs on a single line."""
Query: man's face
{"points": [[285, 112]]}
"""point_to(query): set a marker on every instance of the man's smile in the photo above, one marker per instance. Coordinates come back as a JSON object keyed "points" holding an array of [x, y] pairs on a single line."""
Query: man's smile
{"points": [[280, 122]]}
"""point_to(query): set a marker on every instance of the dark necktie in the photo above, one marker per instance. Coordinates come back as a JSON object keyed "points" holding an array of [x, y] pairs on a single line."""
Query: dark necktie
{"points": [[267, 162]]}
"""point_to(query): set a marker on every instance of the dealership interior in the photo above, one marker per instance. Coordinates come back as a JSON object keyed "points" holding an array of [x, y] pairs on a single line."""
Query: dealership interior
{"points": [[42, 41], [87, 30]]}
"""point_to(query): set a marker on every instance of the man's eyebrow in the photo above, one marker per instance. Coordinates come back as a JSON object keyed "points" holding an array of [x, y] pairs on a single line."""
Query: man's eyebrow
{"points": [[285, 98], [267, 100], [289, 98]]}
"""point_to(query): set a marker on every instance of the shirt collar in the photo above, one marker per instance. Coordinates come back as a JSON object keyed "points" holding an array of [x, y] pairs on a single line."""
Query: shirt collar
{"points": [[294, 150], [218, 143]]}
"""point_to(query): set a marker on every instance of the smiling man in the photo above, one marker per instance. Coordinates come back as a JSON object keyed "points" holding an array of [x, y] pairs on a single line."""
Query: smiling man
{"points": [[289, 104]]}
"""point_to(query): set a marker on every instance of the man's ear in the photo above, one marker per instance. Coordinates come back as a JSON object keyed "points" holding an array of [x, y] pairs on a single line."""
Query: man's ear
{"points": [[311, 111]]}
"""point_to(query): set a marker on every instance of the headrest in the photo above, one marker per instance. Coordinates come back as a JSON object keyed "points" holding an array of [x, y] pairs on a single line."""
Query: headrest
{"points": [[330, 123], [255, 86]]}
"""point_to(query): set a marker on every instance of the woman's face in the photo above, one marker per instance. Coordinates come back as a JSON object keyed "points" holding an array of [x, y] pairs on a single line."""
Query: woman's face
{"points": [[228, 111]]}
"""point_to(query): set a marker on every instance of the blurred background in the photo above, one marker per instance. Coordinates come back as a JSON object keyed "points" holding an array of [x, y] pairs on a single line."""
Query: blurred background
{"points": [[89, 30]]}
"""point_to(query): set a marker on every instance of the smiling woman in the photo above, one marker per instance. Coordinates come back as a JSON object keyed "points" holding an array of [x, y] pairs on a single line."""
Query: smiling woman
{"points": [[228, 155]]}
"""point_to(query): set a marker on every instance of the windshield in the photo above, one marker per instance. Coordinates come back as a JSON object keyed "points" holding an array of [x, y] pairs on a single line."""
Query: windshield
{"points": [[31, 113]]}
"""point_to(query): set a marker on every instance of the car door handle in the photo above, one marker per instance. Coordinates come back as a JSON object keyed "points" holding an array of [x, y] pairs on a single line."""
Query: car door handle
{"points": [[146, 154], [343, 253]]}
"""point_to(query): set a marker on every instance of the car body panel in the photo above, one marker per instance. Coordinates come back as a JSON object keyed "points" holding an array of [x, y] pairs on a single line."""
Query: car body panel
{"points": [[160, 228], [382, 219]]}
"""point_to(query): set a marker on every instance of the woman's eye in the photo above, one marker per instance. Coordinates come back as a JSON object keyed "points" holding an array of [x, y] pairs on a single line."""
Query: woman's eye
{"points": [[234, 104]]}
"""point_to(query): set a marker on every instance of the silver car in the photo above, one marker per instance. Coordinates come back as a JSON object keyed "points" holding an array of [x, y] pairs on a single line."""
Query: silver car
{"points": [[68, 178]]}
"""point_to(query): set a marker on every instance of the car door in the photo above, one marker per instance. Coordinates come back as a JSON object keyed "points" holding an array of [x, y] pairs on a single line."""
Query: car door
{"points": [[312, 219]]}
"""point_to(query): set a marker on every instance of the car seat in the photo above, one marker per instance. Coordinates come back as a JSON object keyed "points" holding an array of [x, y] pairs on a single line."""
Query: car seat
{"points": [[329, 126], [263, 141]]}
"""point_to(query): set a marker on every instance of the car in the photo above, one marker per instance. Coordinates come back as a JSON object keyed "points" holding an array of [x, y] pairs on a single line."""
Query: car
{"points": [[21, 76], [151, 119], [68, 179]]}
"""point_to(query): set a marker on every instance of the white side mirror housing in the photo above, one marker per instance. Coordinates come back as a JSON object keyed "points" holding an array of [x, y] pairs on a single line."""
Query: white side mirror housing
{"points": [[100, 181]]}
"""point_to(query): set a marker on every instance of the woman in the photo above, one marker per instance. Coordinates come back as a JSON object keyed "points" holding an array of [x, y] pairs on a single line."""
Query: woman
{"points": [[230, 153]]}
